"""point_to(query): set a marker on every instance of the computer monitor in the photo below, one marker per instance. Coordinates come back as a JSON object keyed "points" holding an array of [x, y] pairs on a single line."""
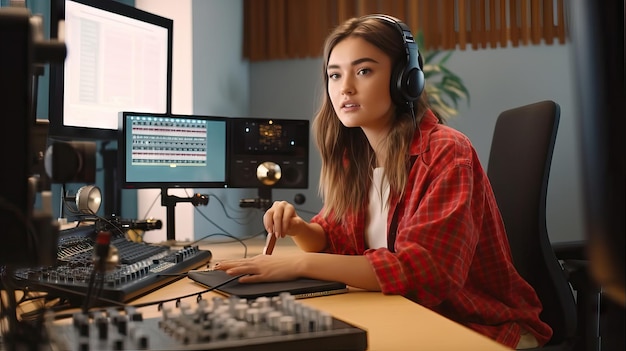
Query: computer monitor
{"points": [[172, 151], [119, 58], [268, 152]]}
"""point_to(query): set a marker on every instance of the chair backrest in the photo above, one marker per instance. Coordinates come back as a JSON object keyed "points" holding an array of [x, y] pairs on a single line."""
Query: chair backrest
{"points": [[518, 169]]}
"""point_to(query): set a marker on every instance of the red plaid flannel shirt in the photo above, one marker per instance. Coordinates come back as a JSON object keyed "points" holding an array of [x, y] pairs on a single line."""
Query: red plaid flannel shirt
{"points": [[451, 253]]}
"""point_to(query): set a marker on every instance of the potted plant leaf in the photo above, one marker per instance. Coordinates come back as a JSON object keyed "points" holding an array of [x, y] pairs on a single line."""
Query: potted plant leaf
{"points": [[444, 88]]}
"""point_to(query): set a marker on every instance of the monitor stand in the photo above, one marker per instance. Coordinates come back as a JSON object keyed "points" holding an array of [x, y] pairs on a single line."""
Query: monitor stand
{"points": [[170, 201], [112, 194]]}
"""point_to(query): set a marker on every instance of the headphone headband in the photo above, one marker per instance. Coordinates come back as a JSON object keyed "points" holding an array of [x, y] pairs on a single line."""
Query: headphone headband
{"points": [[407, 81]]}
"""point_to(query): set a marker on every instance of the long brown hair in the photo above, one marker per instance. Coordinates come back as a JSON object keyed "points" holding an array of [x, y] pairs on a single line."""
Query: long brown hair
{"points": [[347, 157]]}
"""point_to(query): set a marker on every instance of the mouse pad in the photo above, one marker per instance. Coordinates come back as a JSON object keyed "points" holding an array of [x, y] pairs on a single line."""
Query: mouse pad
{"points": [[299, 288]]}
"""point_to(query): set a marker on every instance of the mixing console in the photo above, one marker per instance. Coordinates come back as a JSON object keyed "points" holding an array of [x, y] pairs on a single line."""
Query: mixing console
{"points": [[142, 267], [277, 323]]}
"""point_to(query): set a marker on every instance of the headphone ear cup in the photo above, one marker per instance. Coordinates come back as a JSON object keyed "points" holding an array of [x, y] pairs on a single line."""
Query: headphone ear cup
{"points": [[413, 84], [406, 86], [396, 86]]}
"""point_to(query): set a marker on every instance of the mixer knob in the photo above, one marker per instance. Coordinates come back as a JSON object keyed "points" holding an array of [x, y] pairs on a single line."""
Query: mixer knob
{"points": [[287, 324], [122, 325], [263, 301], [83, 345], [253, 315], [103, 328], [139, 336], [325, 320], [272, 319], [240, 311], [118, 344], [142, 342], [237, 329], [136, 316]]}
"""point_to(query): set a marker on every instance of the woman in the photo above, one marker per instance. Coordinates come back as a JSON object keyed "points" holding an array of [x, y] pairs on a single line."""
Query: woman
{"points": [[408, 208]]}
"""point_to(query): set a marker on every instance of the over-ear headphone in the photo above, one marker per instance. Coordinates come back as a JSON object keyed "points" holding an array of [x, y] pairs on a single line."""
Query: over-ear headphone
{"points": [[407, 82]]}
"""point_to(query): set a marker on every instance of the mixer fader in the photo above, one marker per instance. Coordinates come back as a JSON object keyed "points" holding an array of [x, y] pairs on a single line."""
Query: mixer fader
{"points": [[277, 323]]}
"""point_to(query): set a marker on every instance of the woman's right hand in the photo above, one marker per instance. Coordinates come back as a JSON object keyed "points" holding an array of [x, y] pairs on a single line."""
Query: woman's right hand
{"points": [[281, 219]]}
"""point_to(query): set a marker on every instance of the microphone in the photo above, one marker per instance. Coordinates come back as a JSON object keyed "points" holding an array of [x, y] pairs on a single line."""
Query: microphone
{"points": [[141, 224], [105, 255], [263, 204]]}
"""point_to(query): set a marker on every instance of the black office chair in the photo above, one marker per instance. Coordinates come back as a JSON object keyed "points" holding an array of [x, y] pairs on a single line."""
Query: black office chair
{"points": [[518, 168]]}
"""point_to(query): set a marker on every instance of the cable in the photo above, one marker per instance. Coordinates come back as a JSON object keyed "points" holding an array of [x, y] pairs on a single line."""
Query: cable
{"points": [[209, 220], [190, 295], [234, 219], [245, 254], [161, 302]]}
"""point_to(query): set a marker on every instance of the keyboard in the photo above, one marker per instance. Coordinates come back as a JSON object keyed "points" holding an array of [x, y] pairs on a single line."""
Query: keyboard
{"points": [[142, 267]]}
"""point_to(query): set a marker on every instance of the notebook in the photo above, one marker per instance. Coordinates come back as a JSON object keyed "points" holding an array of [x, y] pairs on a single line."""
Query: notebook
{"points": [[299, 288]]}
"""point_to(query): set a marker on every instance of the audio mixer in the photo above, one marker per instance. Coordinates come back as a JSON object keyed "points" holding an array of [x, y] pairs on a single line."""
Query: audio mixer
{"points": [[142, 267], [277, 323]]}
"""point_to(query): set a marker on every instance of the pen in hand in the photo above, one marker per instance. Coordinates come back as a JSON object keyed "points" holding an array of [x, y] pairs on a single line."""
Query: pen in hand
{"points": [[270, 242]]}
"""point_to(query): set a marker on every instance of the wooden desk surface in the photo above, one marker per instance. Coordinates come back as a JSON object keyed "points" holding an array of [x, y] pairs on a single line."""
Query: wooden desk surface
{"points": [[392, 322]]}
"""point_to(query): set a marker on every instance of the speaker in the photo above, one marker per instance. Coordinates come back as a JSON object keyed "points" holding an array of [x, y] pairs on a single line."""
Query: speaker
{"points": [[71, 162], [407, 81], [268, 153]]}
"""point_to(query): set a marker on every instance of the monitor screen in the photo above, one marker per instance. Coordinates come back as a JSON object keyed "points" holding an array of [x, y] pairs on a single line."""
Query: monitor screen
{"points": [[172, 151], [119, 58]]}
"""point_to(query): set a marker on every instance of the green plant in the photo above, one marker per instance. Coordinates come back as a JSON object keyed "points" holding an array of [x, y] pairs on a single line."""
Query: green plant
{"points": [[444, 88]]}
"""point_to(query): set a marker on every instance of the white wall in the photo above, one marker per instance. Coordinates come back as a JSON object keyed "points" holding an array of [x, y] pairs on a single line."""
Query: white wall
{"points": [[505, 78], [209, 78], [498, 79], [221, 88], [148, 200]]}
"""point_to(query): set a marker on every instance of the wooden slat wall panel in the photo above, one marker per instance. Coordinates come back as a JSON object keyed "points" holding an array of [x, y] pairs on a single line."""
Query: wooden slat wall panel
{"points": [[424, 22], [475, 30], [257, 33], [548, 22], [297, 31], [514, 22], [481, 24], [283, 29], [462, 26], [449, 37], [536, 21], [560, 27], [524, 25], [276, 29], [412, 17], [493, 32], [345, 9], [502, 22], [366, 7], [321, 27]]}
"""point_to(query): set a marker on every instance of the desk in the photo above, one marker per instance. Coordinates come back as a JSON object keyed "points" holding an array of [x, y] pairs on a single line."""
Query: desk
{"points": [[392, 322]]}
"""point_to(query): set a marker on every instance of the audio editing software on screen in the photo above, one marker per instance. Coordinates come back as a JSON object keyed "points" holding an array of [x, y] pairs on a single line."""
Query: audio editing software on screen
{"points": [[174, 149], [169, 142]]}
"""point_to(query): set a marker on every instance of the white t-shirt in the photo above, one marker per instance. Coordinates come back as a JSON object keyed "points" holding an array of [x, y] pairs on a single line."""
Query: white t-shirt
{"points": [[376, 221]]}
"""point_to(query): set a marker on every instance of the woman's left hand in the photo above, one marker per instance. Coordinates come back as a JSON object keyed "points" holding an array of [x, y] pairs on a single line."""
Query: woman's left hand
{"points": [[262, 268]]}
